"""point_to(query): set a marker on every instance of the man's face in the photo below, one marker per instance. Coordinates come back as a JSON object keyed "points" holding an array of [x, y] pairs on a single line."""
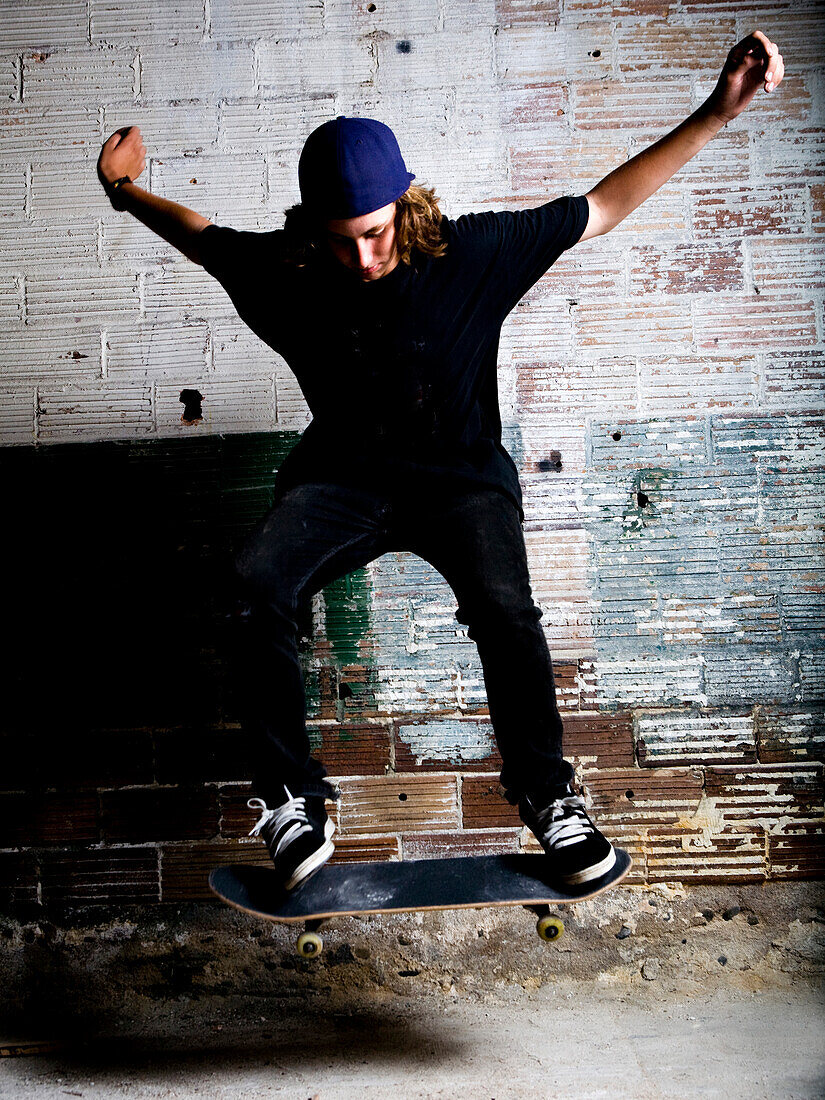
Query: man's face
{"points": [[366, 245]]}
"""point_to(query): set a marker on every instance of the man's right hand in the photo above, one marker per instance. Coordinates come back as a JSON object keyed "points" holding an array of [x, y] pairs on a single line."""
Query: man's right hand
{"points": [[123, 154]]}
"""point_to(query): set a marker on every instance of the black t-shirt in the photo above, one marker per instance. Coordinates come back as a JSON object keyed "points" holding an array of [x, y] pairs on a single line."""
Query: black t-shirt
{"points": [[400, 373]]}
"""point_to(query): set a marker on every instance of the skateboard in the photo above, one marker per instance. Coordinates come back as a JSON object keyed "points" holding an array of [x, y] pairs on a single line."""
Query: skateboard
{"points": [[408, 886]]}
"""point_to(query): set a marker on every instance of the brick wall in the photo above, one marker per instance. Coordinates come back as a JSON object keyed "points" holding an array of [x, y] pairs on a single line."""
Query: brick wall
{"points": [[661, 389]]}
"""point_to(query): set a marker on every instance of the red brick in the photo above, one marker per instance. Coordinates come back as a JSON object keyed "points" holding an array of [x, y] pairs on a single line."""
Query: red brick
{"points": [[685, 855], [409, 803], [754, 322], [788, 736], [565, 164], [534, 105], [600, 740], [749, 210], [797, 852], [694, 268], [48, 819], [484, 806], [112, 876], [817, 191], [656, 105], [667, 47], [184, 869], [636, 798], [488, 842], [237, 818], [761, 797], [638, 322], [512, 12], [351, 749], [159, 813]]}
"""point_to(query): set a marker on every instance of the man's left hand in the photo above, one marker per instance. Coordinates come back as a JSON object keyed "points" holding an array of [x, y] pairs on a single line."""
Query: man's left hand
{"points": [[753, 61]]}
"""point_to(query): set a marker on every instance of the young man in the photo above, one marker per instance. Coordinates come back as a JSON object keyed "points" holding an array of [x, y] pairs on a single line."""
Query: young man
{"points": [[389, 315]]}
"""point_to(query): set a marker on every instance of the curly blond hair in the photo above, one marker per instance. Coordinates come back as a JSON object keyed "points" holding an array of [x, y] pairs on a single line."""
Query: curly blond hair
{"points": [[417, 226]]}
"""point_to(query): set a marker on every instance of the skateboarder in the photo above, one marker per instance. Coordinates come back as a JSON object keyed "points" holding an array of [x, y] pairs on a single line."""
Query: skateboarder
{"points": [[389, 315]]}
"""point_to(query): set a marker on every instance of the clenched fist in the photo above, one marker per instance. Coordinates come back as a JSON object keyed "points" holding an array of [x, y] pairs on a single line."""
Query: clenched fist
{"points": [[123, 154]]}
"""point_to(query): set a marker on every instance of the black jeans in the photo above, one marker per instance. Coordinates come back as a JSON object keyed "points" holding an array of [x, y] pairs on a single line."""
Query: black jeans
{"points": [[316, 533]]}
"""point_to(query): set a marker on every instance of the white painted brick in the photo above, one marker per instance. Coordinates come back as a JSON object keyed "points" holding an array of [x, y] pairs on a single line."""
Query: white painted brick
{"points": [[254, 20], [532, 54], [586, 385], [648, 680], [229, 405], [464, 15], [42, 24], [36, 354], [27, 132], [228, 189], [81, 76], [403, 19], [781, 265], [564, 164], [794, 380], [660, 47], [673, 739], [121, 22], [11, 298], [168, 130], [80, 295], [277, 126], [644, 324], [63, 188], [17, 416], [88, 412], [9, 79], [125, 240], [563, 433], [204, 72], [642, 106], [184, 291], [300, 67], [29, 245], [791, 155], [12, 192], [799, 33], [156, 350], [688, 383], [440, 60]]}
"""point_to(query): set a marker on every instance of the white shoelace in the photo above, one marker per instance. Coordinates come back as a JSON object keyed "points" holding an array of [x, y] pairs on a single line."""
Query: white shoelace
{"points": [[294, 810], [559, 827]]}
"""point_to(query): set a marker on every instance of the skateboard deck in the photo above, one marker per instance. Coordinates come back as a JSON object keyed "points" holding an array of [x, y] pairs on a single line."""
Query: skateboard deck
{"points": [[406, 886]]}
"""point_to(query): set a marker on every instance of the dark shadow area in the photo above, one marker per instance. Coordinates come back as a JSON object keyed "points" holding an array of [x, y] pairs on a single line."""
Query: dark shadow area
{"points": [[116, 558], [288, 1036]]}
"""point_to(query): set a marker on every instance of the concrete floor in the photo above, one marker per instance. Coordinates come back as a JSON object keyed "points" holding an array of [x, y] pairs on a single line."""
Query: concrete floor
{"points": [[573, 1039]]}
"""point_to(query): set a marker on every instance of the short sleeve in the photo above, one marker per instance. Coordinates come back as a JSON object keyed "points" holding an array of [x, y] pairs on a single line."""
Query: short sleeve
{"points": [[223, 250], [524, 244]]}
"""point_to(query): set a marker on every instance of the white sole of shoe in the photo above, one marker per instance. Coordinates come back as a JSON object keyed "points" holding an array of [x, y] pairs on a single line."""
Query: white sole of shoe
{"points": [[596, 871], [311, 864]]}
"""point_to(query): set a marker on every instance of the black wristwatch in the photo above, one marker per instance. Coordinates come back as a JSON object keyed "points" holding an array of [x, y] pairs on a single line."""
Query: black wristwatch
{"points": [[112, 190]]}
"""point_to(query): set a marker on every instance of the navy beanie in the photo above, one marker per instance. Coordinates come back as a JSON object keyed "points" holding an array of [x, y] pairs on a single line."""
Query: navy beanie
{"points": [[351, 166]]}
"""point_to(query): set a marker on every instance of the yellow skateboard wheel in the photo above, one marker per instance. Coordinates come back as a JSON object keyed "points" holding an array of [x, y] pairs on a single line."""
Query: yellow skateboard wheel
{"points": [[550, 928], [310, 944]]}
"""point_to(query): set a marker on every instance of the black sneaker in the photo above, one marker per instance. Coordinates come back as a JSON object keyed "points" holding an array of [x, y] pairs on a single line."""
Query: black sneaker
{"points": [[298, 834], [578, 850]]}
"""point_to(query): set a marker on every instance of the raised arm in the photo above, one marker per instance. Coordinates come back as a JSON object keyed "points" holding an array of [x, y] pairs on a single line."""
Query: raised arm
{"points": [[753, 62], [124, 154]]}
